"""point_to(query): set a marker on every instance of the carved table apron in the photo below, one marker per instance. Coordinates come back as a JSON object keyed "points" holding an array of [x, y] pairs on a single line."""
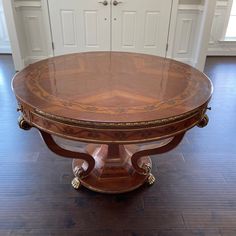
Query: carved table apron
{"points": [[126, 106]]}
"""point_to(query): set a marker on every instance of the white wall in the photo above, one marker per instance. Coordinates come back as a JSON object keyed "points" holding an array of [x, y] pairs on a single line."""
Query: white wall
{"points": [[4, 38]]}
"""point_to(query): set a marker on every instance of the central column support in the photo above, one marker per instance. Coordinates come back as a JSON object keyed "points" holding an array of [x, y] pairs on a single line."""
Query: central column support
{"points": [[113, 171], [112, 168]]}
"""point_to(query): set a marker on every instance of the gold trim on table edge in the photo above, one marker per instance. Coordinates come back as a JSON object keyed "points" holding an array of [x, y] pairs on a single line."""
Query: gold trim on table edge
{"points": [[83, 123], [135, 141], [119, 124]]}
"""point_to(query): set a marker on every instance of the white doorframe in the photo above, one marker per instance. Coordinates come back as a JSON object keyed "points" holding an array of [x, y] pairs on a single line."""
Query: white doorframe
{"points": [[205, 32], [172, 27], [15, 47], [47, 24]]}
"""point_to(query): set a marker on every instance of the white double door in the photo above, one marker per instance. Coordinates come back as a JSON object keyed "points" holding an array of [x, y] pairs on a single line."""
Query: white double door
{"points": [[96, 25]]}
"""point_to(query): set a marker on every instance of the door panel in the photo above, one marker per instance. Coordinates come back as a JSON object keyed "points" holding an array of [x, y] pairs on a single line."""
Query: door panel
{"points": [[91, 28], [79, 25], [88, 25], [141, 26], [151, 29], [128, 29], [68, 27]]}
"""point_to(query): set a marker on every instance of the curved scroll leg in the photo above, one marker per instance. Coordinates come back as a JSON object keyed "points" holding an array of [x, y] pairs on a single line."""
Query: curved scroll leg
{"points": [[82, 154], [152, 149], [109, 168]]}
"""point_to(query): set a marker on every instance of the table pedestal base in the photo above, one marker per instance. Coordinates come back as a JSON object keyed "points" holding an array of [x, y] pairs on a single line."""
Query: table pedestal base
{"points": [[113, 171], [112, 168]]}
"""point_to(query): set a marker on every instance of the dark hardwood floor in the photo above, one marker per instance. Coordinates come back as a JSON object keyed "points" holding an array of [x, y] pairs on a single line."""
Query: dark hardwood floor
{"points": [[195, 192]]}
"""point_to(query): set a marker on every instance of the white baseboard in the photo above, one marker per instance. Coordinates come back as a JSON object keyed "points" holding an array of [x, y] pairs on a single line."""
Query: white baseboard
{"points": [[218, 52], [222, 48]]}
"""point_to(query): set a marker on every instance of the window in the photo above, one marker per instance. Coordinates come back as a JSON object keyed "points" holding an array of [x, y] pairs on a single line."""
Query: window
{"points": [[231, 28]]}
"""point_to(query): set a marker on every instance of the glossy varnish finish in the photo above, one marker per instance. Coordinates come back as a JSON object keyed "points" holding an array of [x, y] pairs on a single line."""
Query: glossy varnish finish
{"points": [[112, 98], [112, 87], [194, 196], [119, 95]]}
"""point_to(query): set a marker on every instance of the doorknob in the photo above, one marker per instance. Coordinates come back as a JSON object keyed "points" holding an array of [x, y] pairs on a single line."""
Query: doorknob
{"points": [[115, 3], [105, 3]]}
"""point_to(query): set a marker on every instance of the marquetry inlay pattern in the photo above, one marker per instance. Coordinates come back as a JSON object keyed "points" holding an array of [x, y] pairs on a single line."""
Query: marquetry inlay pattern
{"points": [[112, 87], [112, 99]]}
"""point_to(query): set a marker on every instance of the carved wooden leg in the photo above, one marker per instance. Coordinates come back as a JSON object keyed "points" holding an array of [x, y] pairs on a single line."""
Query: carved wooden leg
{"points": [[86, 160], [102, 168], [153, 149], [112, 168]]}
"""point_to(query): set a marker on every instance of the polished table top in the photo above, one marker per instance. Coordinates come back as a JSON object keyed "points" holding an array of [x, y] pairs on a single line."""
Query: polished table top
{"points": [[112, 87], [109, 100]]}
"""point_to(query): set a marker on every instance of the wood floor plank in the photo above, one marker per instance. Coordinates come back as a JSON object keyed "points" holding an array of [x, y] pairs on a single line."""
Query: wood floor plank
{"points": [[195, 192]]}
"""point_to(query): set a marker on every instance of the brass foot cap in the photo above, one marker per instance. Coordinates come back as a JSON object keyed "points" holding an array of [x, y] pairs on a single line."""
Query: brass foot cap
{"points": [[75, 183], [151, 179]]}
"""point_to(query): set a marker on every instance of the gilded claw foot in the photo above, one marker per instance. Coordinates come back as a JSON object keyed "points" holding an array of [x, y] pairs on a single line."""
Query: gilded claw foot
{"points": [[151, 179], [147, 168], [76, 183]]}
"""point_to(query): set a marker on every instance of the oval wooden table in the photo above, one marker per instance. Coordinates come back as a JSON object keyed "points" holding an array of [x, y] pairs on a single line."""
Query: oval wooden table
{"points": [[112, 101]]}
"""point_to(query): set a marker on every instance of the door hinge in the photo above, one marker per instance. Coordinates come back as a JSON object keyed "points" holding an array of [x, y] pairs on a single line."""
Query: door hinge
{"points": [[167, 46], [53, 46]]}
